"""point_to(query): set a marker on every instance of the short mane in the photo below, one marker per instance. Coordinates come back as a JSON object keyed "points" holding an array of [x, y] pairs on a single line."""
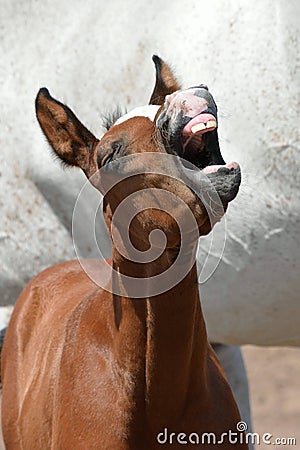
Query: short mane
{"points": [[111, 117]]}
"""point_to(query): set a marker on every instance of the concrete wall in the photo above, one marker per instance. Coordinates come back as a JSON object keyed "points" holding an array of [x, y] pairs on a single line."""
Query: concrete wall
{"points": [[95, 55]]}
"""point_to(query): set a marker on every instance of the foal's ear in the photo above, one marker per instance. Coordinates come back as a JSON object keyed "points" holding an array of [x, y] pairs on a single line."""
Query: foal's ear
{"points": [[70, 140], [165, 83]]}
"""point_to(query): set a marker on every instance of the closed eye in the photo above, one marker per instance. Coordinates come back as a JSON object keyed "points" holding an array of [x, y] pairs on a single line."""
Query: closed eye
{"points": [[116, 149]]}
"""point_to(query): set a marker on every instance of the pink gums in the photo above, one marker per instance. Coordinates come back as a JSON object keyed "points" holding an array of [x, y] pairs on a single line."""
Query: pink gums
{"points": [[215, 168]]}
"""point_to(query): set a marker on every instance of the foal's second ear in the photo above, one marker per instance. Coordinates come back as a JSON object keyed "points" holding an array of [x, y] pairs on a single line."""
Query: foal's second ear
{"points": [[71, 141], [165, 82]]}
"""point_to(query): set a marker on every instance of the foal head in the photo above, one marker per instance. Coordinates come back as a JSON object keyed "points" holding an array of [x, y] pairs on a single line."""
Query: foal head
{"points": [[162, 157]]}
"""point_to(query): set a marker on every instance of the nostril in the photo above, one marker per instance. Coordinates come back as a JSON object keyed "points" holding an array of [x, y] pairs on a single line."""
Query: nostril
{"points": [[200, 86]]}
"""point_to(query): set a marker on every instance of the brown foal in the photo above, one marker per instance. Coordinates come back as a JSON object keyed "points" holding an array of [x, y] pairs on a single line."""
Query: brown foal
{"points": [[90, 367]]}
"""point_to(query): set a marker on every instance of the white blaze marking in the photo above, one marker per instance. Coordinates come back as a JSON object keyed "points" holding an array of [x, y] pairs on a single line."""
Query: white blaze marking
{"points": [[141, 111]]}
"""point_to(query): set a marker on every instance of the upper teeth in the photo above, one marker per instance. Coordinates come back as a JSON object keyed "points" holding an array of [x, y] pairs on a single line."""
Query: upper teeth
{"points": [[203, 126], [211, 124]]}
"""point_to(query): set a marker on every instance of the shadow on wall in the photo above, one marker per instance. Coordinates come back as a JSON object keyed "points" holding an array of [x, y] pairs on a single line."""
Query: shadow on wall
{"points": [[62, 200]]}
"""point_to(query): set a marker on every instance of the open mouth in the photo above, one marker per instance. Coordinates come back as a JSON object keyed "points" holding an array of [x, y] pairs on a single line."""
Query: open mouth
{"points": [[195, 143], [200, 147], [199, 144], [188, 125]]}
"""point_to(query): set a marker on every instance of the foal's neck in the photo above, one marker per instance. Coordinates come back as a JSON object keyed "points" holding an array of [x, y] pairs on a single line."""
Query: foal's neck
{"points": [[162, 342]]}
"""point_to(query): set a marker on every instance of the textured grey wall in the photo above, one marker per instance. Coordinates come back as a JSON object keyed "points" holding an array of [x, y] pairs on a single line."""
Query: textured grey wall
{"points": [[94, 55]]}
